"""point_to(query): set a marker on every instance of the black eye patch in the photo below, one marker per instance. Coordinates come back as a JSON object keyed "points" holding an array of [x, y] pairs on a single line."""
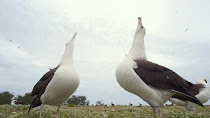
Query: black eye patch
{"points": [[205, 80], [142, 27]]}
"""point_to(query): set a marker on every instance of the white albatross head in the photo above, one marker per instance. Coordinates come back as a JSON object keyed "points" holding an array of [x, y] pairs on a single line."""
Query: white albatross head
{"points": [[70, 45], [68, 53], [137, 50], [140, 31], [202, 81], [13, 102]]}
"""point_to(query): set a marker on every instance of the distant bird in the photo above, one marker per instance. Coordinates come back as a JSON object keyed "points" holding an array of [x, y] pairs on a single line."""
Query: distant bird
{"points": [[186, 30], [153, 83], [200, 90], [112, 104], [130, 104], [15, 102], [11, 41], [56, 86]]}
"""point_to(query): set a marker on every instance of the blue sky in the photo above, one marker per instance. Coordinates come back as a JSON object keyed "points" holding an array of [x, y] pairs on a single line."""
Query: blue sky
{"points": [[33, 35]]}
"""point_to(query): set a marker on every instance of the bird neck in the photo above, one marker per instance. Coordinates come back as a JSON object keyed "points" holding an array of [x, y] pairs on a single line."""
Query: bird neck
{"points": [[137, 51], [67, 57]]}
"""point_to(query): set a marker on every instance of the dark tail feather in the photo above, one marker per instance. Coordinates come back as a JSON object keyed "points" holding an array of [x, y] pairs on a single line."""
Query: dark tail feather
{"points": [[186, 97], [36, 102]]}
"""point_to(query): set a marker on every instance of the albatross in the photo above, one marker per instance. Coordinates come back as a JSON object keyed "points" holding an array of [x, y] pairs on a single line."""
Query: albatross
{"points": [[153, 83], [59, 83], [200, 90], [15, 102]]}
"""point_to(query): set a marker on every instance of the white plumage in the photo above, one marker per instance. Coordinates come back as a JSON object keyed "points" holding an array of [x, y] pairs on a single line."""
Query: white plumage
{"points": [[56, 86], [63, 84], [13, 102]]}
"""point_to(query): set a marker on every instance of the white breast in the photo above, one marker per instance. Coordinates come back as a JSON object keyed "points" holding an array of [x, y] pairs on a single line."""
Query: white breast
{"points": [[63, 84], [204, 95]]}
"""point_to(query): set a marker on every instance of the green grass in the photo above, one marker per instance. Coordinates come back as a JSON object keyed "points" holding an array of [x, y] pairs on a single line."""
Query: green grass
{"points": [[67, 111]]}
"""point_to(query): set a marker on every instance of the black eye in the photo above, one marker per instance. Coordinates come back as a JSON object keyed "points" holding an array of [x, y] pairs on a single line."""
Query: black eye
{"points": [[205, 80], [142, 27]]}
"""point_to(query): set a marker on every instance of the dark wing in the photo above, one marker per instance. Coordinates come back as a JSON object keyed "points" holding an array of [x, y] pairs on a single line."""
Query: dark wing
{"points": [[46, 78], [194, 90], [163, 78], [40, 87]]}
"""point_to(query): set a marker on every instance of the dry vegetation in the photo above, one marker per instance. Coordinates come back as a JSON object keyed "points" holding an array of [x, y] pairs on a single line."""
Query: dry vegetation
{"points": [[8, 111]]}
